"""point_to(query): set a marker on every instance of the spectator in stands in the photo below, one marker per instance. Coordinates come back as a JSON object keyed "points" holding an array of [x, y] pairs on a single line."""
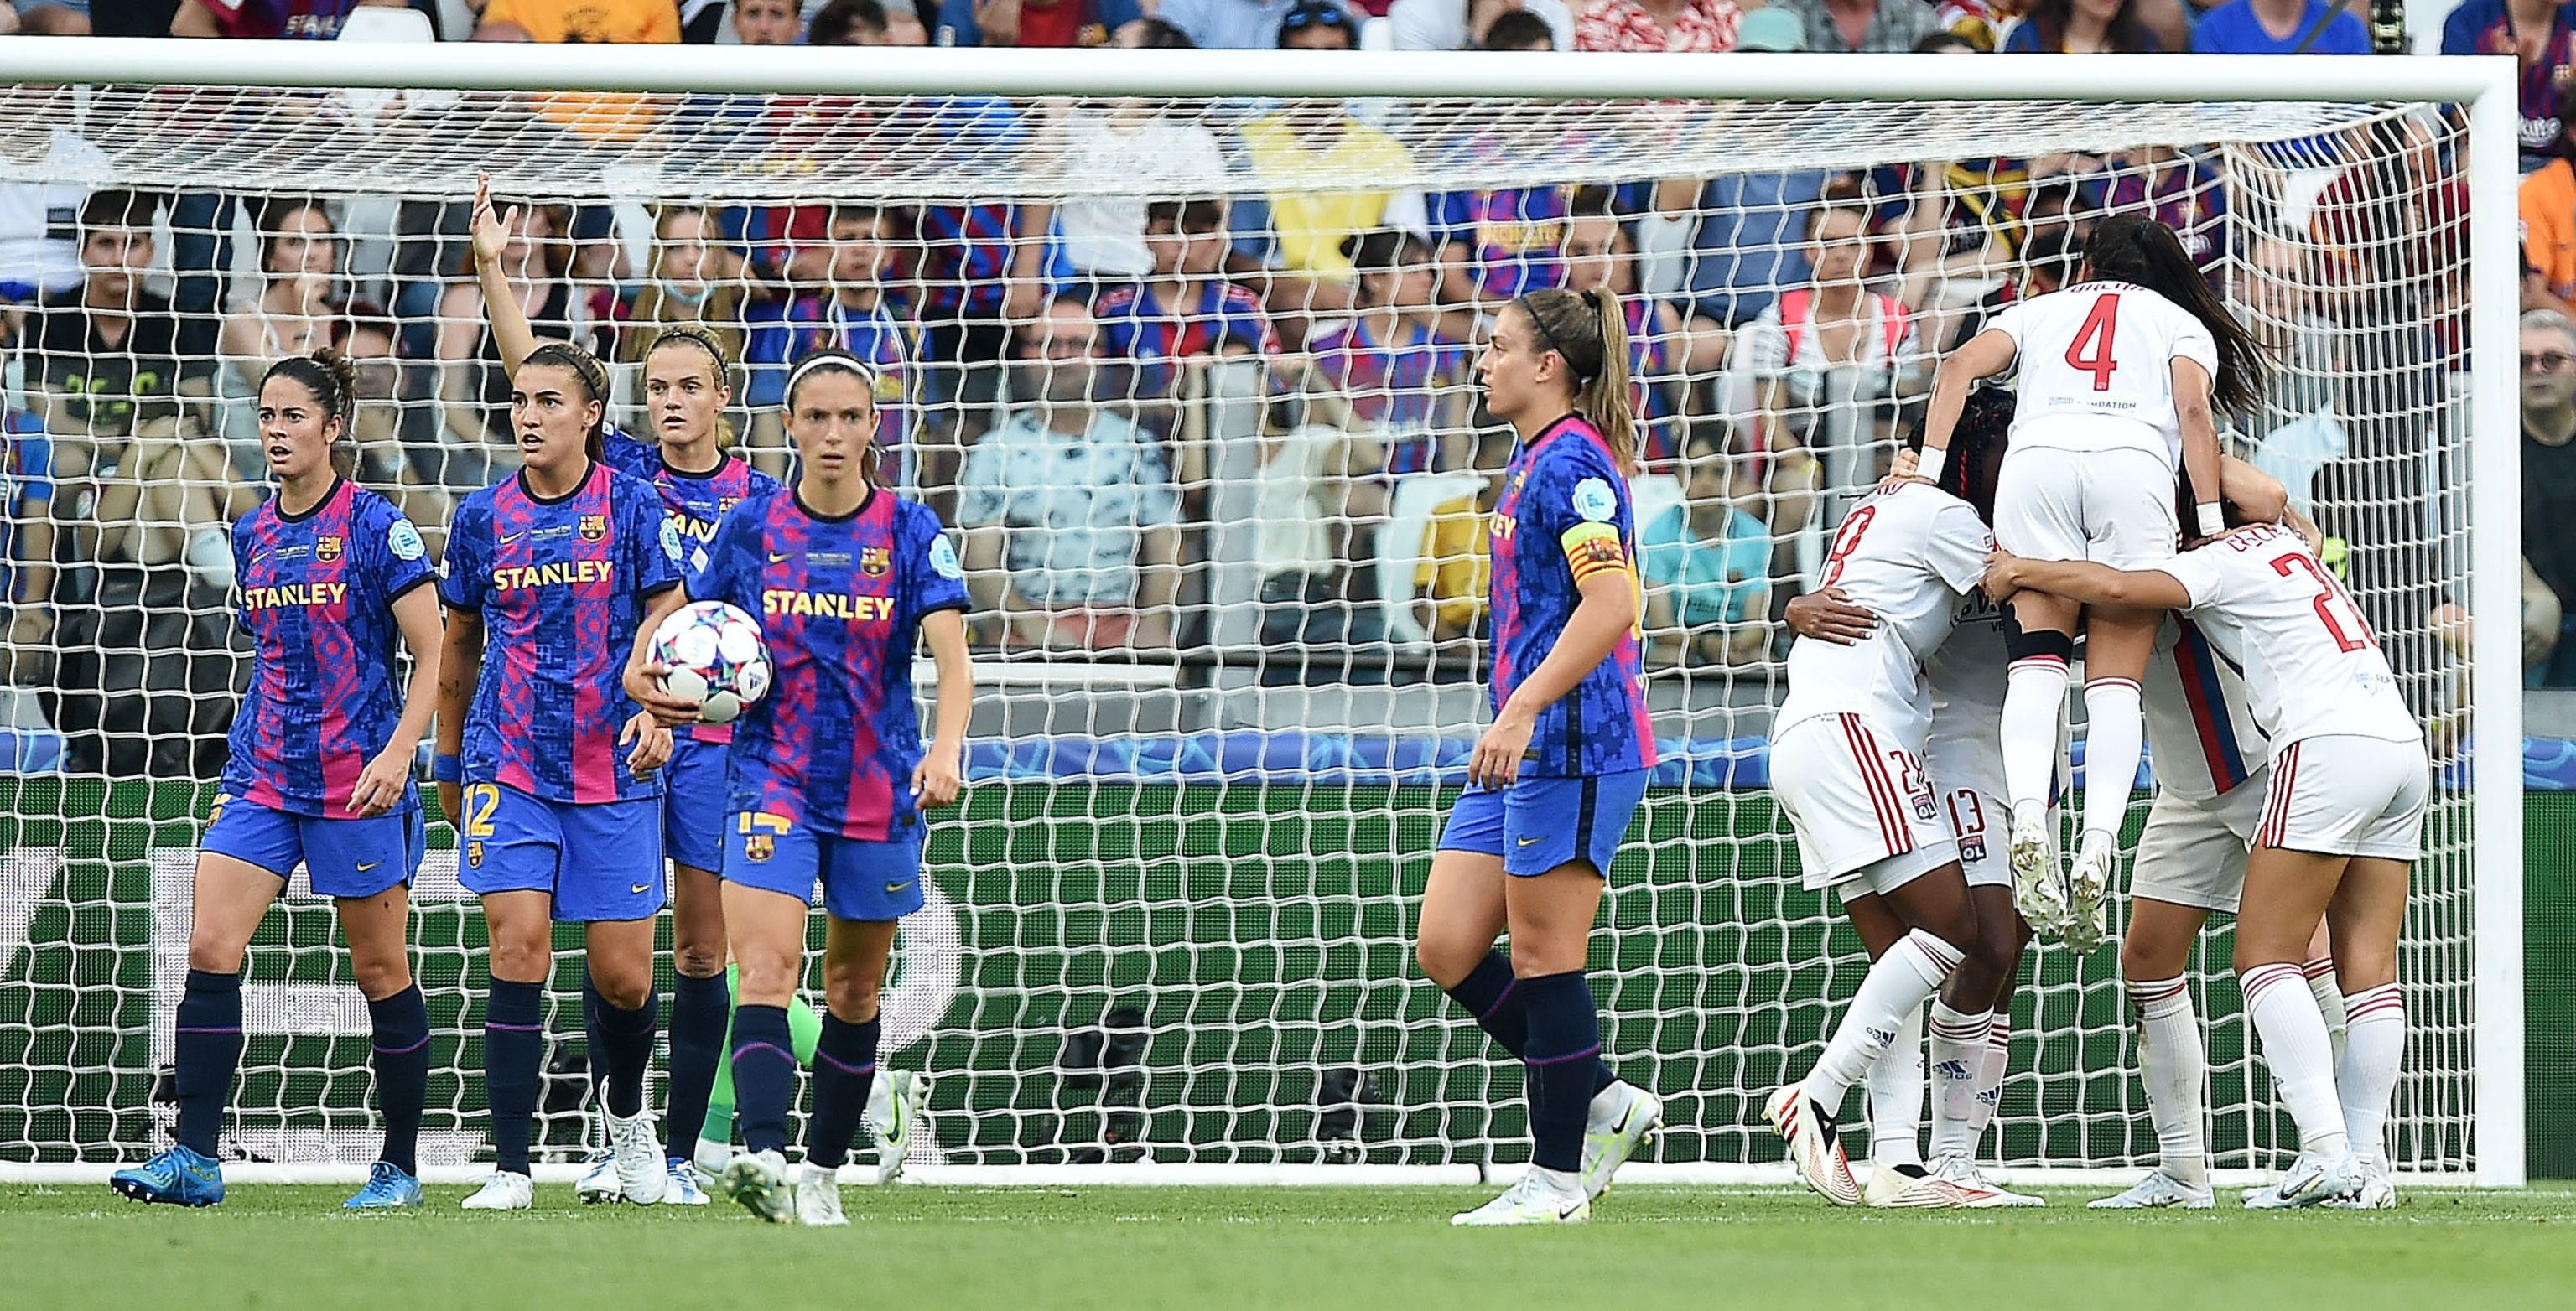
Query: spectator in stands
{"points": [[43, 19], [2178, 189], [2548, 498], [2280, 27], [1863, 26], [1389, 371], [694, 278], [312, 20], [981, 269], [1451, 584], [1951, 41], [1707, 565], [1151, 150], [1827, 363], [2539, 33], [1307, 274], [2548, 208], [2282, 310], [1954, 226], [1072, 520], [2083, 27], [1468, 24], [1319, 25], [473, 388], [1525, 31], [1031, 23], [851, 313], [1151, 34], [1185, 309], [1657, 26], [1668, 358], [39, 221], [105, 374], [600, 116], [754, 22], [1230, 24], [26, 548], [1309, 492], [863, 23], [1746, 230], [293, 314]]}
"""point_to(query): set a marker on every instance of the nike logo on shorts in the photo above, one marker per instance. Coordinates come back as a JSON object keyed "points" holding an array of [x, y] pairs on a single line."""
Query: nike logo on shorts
{"points": [[365, 865], [1531, 842], [640, 889], [893, 888]]}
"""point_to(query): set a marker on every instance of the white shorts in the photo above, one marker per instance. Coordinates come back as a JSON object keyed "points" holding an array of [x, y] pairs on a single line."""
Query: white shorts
{"points": [[1861, 806], [1980, 822], [2352, 796], [2112, 507], [2193, 851]]}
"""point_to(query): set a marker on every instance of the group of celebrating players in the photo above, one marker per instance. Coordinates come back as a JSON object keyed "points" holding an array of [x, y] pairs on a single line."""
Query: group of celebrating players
{"points": [[1919, 711]]}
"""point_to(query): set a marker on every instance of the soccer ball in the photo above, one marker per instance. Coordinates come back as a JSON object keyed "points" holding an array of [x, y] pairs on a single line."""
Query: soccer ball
{"points": [[714, 656]]}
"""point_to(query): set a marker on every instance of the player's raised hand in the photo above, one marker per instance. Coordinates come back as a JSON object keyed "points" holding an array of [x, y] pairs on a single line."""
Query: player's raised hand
{"points": [[490, 231], [1830, 616], [936, 781], [1496, 761], [380, 784], [652, 743], [2003, 575]]}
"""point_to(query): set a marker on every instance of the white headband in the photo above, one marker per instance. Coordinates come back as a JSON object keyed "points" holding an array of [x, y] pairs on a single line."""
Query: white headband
{"points": [[851, 363]]}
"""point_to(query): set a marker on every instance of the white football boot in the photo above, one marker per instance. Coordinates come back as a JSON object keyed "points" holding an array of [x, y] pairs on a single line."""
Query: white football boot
{"points": [[1623, 1119], [643, 1175], [503, 1191], [1814, 1148], [758, 1180], [2376, 1191], [818, 1196], [598, 1183], [685, 1190], [1541, 1197], [2312, 1180], [1979, 1191], [1909, 1188], [894, 1112], [2039, 886], [2088, 888], [2157, 1191]]}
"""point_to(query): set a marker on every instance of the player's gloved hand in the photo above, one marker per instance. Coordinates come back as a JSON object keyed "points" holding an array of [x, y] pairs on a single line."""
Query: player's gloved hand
{"points": [[2003, 575], [936, 781], [380, 784], [652, 743], [644, 683], [1829, 616], [1496, 761]]}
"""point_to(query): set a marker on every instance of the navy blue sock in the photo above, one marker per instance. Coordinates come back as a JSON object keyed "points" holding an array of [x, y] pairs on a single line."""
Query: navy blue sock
{"points": [[845, 1068], [401, 1024], [206, 1051], [622, 1045], [1564, 1046], [764, 1075], [700, 1009], [1489, 993], [514, 1043]]}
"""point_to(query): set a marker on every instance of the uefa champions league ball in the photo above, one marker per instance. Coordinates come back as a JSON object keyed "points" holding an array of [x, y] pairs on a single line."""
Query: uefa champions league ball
{"points": [[714, 656]]}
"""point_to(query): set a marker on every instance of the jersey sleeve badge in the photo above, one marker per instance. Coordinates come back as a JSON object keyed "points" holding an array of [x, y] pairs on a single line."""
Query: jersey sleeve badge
{"points": [[404, 541], [1594, 500], [943, 558]]}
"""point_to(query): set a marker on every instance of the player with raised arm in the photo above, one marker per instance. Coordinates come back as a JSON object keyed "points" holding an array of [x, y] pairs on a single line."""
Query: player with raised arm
{"points": [[556, 577], [2341, 827], [2119, 379], [1847, 748], [829, 775], [320, 775], [686, 389], [1554, 780]]}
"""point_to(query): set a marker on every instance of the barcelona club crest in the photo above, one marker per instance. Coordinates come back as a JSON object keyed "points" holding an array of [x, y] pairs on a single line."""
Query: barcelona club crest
{"points": [[326, 549], [759, 841], [594, 527], [758, 846], [875, 560], [474, 854]]}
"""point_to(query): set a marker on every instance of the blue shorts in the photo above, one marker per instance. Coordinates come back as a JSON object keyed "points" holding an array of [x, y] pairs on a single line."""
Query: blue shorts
{"points": [[695, 807], [341, 857], [869, 881], [1537, 824], [601, 861]]}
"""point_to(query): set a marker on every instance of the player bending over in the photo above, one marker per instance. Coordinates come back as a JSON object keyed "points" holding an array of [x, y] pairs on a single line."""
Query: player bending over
{"points": [[686, 389], [2119, 376], [829, 778], [556, 577], [2340, 830], [320, 775], [1846, 763], [1554, 780]]}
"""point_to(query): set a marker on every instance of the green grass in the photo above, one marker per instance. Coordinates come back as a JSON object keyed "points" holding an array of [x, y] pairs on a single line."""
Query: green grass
{"points": [[1215, 1249]]}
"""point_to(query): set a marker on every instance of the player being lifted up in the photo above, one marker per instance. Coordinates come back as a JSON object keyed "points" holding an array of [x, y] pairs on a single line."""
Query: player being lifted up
{"points": [[2119, 378], [1554, 780], [556, 577], [320, 775], [2342, 824], [686, 389], [829, 775], [1847, 748]]}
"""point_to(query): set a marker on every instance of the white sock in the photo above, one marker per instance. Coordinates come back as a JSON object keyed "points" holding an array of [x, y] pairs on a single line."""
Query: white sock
{"points": [[1990, 1077], [2112, 735], [1899, 982], [2328, 990], [2176, 1070], [2034, 702], [1896, 1097], [2366, 1073], [1958, 1060], [2302, 1061]]}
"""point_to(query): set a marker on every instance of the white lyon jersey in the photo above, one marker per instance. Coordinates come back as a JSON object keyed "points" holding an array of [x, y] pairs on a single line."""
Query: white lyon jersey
{"points": [[1907, 555], [2312, 665], [2201, 730], [1967, 677], [2096, 368]]}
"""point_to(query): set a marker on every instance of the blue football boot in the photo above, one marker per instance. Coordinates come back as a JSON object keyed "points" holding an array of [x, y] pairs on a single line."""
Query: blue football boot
{"points": [[388, 1189], [177, 1177]]}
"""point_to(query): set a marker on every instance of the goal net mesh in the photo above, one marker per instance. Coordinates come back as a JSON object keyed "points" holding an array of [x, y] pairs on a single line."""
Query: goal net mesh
{"points": [[1193, 384]]}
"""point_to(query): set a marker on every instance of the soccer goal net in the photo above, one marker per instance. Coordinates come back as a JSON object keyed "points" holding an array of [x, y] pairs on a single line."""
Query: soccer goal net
{"points": [[1183, 348]]}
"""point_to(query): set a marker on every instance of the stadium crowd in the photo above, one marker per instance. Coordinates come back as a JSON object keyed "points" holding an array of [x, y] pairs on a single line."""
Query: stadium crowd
{"points": [[1048, 368]]}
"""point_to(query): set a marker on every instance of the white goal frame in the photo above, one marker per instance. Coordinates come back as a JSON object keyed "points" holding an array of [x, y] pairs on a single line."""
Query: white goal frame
{"points": [[2483, 88]]}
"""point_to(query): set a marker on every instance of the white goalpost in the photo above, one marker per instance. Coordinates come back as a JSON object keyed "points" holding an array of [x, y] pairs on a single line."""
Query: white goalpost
{"points": [[1227, 685]]}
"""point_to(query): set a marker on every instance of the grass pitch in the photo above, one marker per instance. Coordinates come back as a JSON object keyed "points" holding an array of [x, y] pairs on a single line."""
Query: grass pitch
{"points": [[1216, 1249]]}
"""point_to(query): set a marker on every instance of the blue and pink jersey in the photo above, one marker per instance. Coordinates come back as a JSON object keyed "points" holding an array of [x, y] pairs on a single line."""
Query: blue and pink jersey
{"points": [[562, 586], [693, 503], [1394, 383], [880, 340], [317, 593], [840, 603], [1134, 327], [1515, 236], [1563, 517], [966, 255]]}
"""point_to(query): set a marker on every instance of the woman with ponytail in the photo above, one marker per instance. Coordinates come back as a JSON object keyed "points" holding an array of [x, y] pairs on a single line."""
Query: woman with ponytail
{"points": [[1553, 782], [320, 775], [2122, 377]]}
